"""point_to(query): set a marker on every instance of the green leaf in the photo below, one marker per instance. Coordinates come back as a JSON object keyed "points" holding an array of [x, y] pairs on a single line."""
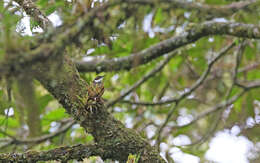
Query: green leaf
{"points": [[158, 16], [238, 105], [253, 74], [54, 115], [89, 138], [44, 100], [174, 64], [12, 122], [42, 3], [50, 10]]}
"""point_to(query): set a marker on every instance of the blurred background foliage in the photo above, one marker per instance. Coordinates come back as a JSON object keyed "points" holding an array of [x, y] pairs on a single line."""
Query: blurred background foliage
{"points": [[121, 31]]}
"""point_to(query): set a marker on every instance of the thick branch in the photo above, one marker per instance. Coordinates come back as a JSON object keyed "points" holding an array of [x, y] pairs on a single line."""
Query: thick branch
{"points": [[51, 45], [60, 154], [212, 10], [57, 44], [190, 35], [70, 90]]}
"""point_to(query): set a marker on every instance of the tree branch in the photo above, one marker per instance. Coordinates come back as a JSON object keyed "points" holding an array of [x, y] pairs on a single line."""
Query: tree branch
{"points": [[249, 67], [56, 44], [192, 34], [212, 10], [51, 44], [250, 85], [223, 104], [60, 154], [65, 84], [37, 140], [192, 88], [198, 83], [141, 81], [30, 9]]}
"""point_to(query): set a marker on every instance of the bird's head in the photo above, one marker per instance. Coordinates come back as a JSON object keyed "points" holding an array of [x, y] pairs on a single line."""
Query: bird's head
{"points": [[98, 79]]}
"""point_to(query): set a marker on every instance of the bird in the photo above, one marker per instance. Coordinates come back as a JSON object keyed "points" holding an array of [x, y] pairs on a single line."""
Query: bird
{"points": [[96, 89]]}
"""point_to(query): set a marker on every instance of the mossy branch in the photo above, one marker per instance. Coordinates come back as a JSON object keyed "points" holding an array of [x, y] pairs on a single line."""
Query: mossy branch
{"points": [[110, 134]]}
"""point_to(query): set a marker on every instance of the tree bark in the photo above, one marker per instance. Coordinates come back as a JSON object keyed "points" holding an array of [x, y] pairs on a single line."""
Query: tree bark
{"points": [[64, 83]]}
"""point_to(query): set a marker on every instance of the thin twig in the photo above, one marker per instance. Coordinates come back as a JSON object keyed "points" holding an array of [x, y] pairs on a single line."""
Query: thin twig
{"points": [[238, 54], [161, 94], [217, 107], [36, 140], [158, 141], [193, 88], [6, 134], [145, 78], [251, 85], [208, 134], [249, 67]]}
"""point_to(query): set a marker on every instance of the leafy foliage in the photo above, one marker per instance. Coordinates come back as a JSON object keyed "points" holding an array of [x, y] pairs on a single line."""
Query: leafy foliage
{"points": [[124, 30]]}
